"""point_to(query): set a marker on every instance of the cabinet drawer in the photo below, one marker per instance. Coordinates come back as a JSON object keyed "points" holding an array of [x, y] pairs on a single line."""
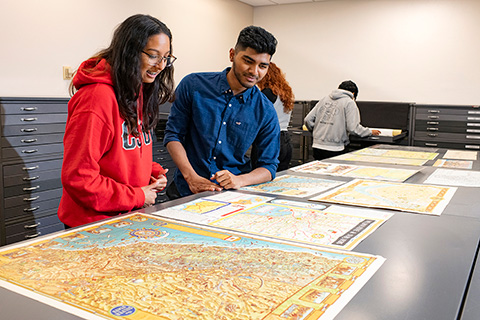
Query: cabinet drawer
{"points": [[31, 167], [31, 151], [447, 136], [438, 110], [37, 210], [33, 129], [442, 128], [26, 235], [31, 189], [32, 224], [25, 108], [16, 119], [15, 141], [448, 117], [30, 178], [32, 199], [449, 145]]}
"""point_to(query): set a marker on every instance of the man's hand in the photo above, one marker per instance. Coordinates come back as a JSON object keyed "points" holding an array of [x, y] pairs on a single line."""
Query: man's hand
{"points": [[375, 132], [227, 180], [199, 184]]}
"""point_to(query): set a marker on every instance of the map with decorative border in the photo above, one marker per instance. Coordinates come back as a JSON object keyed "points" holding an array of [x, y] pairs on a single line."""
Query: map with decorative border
{"points": [[427, 199], [397, 153], [294, 186], [359, 172], [142, 267], [333, 227], [457, 164], [211, 208], [369, 158]]}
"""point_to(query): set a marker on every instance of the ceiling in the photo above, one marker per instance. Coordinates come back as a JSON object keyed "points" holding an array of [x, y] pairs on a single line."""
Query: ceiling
{"points": [[258, 3]]}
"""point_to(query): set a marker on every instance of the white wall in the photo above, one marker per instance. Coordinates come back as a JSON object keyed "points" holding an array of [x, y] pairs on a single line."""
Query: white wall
{"points": [[424, 51], [37, 38]]}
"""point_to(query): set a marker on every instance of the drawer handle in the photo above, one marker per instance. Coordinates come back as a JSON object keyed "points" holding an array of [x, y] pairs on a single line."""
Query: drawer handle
{"points": [[30, 178], [374, 138], [31, 209], [432, 134], [432, 129], [433, 117], [472, 147], [29, 130], [29, 168], [473, 118], [31, 199], [29, 119], [32, 226], [29, 140], [433, 122], [472, 137], [29, 108], [31, 188], [430, 144], [30, 151], [433, 111], [30, 236], [297, 133]]}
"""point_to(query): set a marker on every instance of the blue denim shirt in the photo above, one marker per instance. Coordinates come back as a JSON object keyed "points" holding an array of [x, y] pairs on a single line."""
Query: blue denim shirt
{"points": [[216, 128]]}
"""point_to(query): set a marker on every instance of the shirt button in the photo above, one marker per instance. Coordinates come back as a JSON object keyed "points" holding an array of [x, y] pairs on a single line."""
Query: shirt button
{"points": [[224, 123], [220, 142], [214, 158], [230, 105]]}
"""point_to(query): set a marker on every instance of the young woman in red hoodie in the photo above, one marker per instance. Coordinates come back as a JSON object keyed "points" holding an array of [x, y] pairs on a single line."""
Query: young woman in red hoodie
{"points": [[107, 165]]}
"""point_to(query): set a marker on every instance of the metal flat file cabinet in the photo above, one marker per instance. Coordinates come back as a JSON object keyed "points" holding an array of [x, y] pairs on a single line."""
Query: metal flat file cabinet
{"points": [[447, 126], [31, 159]]}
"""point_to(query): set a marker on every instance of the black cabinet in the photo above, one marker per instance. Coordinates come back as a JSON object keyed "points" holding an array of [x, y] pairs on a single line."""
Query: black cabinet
{"points": [[447, 126], [31, 159]]}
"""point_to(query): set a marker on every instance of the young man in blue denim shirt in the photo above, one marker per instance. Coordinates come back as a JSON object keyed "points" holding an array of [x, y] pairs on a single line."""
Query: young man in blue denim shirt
{"points": [[217, 116]]}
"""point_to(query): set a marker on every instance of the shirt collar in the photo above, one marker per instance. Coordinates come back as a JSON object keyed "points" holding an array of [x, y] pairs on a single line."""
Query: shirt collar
{"points": [[225, 88]]}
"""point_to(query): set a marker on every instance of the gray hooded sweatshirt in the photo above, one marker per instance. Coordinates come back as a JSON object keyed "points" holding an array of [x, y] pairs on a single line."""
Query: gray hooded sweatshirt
{"points": [[332, 119]]}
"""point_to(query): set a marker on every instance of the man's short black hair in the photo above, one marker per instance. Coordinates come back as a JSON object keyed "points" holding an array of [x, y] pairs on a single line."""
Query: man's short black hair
{"points": [[258, 39], [349, 85]]}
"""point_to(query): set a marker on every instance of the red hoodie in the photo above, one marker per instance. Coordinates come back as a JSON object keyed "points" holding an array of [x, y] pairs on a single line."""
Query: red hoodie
{"points": [[103, 167]]}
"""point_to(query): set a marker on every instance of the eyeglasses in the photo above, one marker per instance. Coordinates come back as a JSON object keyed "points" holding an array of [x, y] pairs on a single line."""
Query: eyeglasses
{"points": [[153, 60]]}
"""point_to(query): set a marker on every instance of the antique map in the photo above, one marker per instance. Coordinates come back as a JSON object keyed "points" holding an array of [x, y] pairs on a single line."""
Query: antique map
{"points": [[294, 186], [452, 177], [359, 172], [461, 154], [450, 163], [211, 208], [397, 153], [318, 167], [377, 159], [331, 227], [142, 267], [427, 199]]}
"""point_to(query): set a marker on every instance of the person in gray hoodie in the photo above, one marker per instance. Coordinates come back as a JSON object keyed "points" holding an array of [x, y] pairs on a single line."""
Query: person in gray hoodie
{"points": [[333, 118]]}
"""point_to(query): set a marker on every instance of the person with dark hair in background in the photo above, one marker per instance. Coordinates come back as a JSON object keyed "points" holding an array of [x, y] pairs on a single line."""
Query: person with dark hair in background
{"points": [[107, 165], [333, 118], [217, 116], [275, 86]]}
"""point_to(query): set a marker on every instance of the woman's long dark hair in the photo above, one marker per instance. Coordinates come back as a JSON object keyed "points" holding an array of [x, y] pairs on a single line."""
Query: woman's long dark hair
{"points": [[124, 57]]}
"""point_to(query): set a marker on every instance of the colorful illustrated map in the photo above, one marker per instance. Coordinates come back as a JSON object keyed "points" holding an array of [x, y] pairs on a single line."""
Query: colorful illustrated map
{"points": [[318, 167], [142, 267], [359, 172], [331, 227], [294, 186], [389, 195], [457, 164], [208, 209]]}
